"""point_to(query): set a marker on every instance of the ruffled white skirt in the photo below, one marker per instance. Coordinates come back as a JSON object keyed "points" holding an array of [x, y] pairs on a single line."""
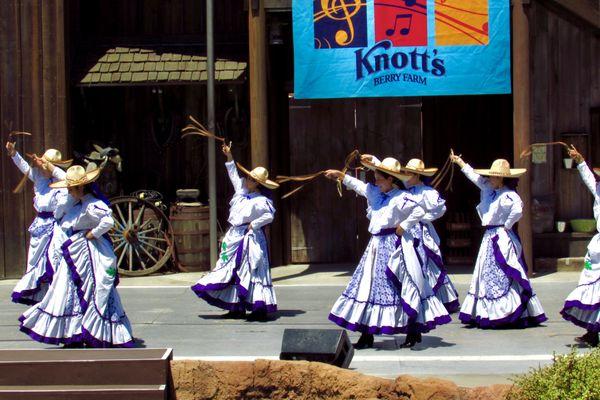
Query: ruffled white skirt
{"points": [[382, 298], [241, 279], [500, 294], [82, 304], [582, 306]]}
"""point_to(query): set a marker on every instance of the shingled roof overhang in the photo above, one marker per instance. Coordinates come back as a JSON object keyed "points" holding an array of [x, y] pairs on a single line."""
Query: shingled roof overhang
{"points": [[129, 66]]}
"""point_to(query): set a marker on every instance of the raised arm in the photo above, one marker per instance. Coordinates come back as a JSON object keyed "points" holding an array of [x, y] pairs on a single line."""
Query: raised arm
{"points": [[232, 171], [588, 178], [23, 166], [473, 176], [584, 170], [234, 176], [350, 182]]}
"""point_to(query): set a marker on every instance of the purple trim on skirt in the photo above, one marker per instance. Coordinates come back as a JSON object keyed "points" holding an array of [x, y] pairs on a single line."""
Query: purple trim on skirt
{"points": [[74, 275], [413, 327], [23, 297], [412, 313], [437, 260], [45, 214], [93, 342], [595, 327], [51, 340], [580, 305], [452, 306], [390, 330], [508, 270], [513, 320]]}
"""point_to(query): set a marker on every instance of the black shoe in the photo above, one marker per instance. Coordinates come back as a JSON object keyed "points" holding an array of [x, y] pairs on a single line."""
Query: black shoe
{"points": [[259, 316], [411, 340], [365, 341], [590, 338], [234, 314], [74, 345]]}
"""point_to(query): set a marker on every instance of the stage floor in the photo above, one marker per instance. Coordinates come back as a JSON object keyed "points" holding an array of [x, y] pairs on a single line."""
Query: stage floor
{"points": [[166, 313]]}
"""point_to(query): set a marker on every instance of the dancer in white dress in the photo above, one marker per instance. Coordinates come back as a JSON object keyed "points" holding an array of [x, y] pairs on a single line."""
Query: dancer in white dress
{"points": [[385, 296], [426, 238], [82, 304], [582, 306], [241, 280], [41, 264], [500, 294]]}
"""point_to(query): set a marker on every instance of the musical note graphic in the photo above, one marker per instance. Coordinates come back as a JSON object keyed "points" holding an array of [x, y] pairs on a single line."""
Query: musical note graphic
{"points": [[403, 31], [403, 22], [340, 23], [461, 22]]}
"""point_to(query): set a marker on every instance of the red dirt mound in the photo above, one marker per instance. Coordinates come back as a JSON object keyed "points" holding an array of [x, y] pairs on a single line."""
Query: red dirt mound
{"points": [[278, 380]]}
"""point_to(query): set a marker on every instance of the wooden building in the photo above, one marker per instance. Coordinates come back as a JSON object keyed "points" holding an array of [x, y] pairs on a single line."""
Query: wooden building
{"points": [[127, 73]]}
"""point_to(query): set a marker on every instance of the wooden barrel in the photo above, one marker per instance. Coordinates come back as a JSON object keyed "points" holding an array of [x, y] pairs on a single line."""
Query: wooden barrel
{"points": [[191, 230]]}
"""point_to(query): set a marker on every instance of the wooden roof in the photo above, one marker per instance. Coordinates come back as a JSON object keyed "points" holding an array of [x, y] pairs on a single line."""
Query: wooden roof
{"points": [[126, 66]]}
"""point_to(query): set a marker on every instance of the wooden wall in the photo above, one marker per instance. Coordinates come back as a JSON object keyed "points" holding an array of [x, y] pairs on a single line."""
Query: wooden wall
{"points": [[33, 97], [322, 227], [565, 81], [157, 21]]}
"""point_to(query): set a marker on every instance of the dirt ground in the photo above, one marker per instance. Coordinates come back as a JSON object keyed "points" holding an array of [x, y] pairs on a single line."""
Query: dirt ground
{"points": [[266, 379]]}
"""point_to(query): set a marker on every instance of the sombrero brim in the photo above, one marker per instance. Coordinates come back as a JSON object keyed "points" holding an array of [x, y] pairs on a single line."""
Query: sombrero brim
{"points": [[514, 173], [424, 172], [88, 178], [374, 167], [269, 184], [61, 164]]}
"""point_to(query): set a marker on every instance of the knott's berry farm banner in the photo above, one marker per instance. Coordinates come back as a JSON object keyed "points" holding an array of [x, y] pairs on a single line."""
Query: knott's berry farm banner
{"points": [[380, 48]]}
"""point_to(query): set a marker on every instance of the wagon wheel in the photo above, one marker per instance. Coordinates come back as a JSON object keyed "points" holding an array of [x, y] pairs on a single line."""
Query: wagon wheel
{"points": [[142, 236]]}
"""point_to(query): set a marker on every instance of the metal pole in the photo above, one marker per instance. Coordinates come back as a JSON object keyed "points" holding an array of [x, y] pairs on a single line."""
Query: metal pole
{"points": [[210, 100]]}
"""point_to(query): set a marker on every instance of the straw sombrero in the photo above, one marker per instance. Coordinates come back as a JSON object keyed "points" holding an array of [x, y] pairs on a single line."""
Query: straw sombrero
{"points": [[260, 175], [54, 157], [77, 176], [417, 166], [389, 165], [502, 169]]}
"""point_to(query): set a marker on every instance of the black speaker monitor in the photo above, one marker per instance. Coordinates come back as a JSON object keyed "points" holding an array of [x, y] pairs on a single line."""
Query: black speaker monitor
{"points": [[331, 346]]}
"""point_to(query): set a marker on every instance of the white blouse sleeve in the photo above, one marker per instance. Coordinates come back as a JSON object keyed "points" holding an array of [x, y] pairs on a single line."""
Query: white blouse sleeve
{"points": [[407, 202], [434, 205], [516, 209], [59, 174], [357, 185], [234, 177], [474, 177], [588, 178], [267, 216], [103, 215], [59, 198], [63, 204], [23, 166]]}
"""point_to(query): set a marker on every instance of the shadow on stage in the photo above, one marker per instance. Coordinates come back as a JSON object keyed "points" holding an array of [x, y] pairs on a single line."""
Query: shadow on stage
{"points": [[338, 269], [428, 342], [270, 318]]}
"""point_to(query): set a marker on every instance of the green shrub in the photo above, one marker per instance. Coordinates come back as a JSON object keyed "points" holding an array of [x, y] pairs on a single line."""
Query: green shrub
{"points": [[570, 377]]}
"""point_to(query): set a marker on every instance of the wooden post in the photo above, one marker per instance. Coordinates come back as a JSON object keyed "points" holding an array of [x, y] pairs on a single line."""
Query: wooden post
{"points": [[257, 38], [521, 118]]}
